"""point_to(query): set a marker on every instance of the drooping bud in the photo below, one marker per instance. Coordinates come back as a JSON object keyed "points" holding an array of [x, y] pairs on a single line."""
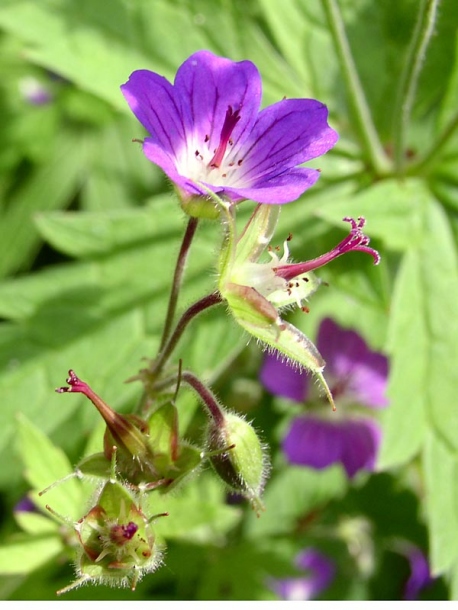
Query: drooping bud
{"points": [[238, 457]]}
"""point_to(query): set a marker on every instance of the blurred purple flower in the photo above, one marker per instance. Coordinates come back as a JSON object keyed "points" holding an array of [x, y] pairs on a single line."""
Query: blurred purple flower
{"points": [[320, 573], [34, 91], [25, 505], [207, 128], [356, 375], [420, 575]]}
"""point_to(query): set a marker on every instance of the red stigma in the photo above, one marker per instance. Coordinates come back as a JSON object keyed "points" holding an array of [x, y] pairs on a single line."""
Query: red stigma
{"points": [[230, 121]]}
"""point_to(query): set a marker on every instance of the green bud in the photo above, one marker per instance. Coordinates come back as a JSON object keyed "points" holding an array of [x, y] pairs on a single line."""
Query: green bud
{"points": [[255, 292], [199, 207], [238, 457], [148, 454], [117, 544]]}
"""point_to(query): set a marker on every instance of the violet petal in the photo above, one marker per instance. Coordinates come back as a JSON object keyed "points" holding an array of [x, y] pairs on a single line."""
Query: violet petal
{"points": [[152, 99], [206, 85], [321, 572], [285, 135], [278, 189], [281, 379], [313, 442], [361, 439], [351, 362], [322, 568], [420, 576]]}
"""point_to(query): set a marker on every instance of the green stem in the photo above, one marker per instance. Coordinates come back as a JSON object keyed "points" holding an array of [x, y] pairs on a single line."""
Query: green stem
{"points": [[208, 301], [409, 79], [365, 124], [178, 278]]}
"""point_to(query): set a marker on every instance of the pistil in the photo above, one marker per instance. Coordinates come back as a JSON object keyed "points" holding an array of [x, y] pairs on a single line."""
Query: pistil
{"points": [[356, 241], [230, 121]]}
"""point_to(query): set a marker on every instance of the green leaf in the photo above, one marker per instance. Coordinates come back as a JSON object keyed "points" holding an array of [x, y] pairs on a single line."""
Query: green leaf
{"points": [[393, 211], [293, 493], [405, 420], [49, 187], [197, 513], [27, 554], [35, 524], [46, 464], [89, 234], [441, 478], [423, 336]]}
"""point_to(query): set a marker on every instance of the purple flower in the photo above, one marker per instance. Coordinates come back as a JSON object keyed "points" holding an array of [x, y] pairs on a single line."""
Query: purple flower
{"points": [[25, 505], [356, 375], [420, 575], [320, 573], [207, 128], [34, 91]]}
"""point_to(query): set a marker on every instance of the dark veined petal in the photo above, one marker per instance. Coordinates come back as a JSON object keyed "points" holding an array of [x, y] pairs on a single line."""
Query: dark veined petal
{"points": [[285, 135], [360, 442], [278, 189], [152, 99], [313, 442], [207, 85], [282, 379]]}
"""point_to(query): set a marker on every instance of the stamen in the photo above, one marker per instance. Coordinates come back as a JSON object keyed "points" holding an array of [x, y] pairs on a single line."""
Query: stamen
{"points": [[356, 241], [230, 121], [76, 385]]}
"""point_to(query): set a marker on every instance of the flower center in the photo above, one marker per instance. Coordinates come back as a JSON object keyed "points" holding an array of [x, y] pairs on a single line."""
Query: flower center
{"points": [[219, 166], [230, 121]]}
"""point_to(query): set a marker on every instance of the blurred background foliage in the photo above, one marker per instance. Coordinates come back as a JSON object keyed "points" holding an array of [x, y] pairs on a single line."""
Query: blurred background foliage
{"points": [[89, 232]]}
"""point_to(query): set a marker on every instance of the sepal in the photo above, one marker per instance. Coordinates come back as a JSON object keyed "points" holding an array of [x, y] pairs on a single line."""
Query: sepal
{"points": [[238, 457]]}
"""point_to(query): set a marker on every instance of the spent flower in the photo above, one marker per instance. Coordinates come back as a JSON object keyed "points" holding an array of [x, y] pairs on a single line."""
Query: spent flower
{"points": [[207, 129], [149, 452], [256, 291]]}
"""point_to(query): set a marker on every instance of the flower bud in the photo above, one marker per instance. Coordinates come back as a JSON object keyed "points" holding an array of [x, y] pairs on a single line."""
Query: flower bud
{"points": [[198, 206], [117, 543], [238, 457], [149, 453]]}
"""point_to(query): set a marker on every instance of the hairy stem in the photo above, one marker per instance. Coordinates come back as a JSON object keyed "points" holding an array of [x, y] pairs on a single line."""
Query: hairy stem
{"points": [[365, 124], [208, 301], [409, 79], [178, 278], [430, 156], [207, 397]]}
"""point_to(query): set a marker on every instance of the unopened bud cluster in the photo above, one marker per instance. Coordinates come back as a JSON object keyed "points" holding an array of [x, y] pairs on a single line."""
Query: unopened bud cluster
{"points": [[140, 455]]}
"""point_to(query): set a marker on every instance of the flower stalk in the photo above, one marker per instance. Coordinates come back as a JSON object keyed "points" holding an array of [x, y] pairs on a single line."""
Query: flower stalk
{"points": [[178, 278], [416, 53], [366, 127]]}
